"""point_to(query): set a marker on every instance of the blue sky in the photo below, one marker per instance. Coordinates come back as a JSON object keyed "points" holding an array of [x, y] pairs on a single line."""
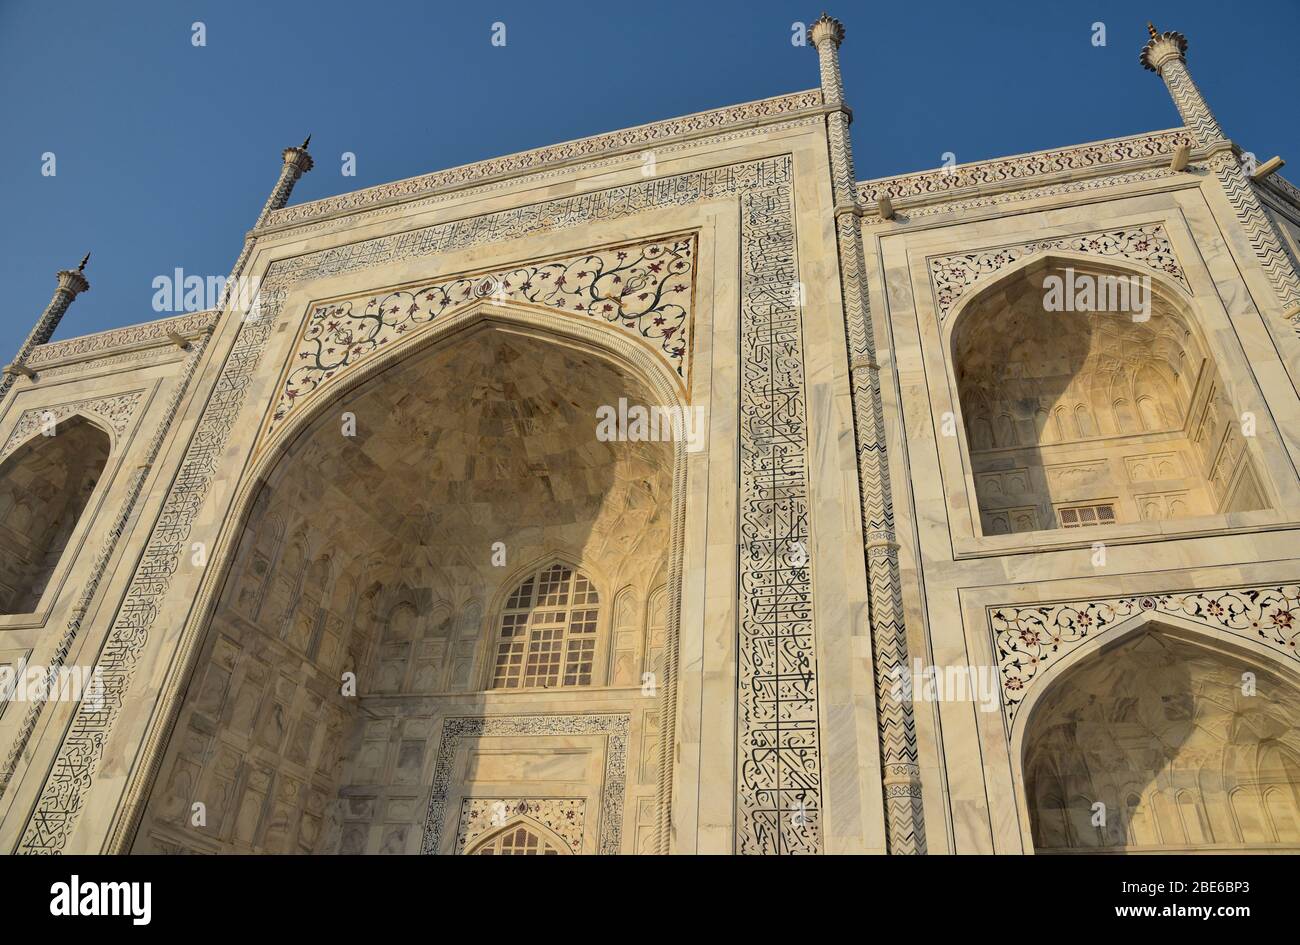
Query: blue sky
{"points": [[165, 152]]}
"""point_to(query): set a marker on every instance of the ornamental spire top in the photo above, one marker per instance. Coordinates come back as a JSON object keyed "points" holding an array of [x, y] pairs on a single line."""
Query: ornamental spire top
{"points": [[827, 28], [1162, 47]]}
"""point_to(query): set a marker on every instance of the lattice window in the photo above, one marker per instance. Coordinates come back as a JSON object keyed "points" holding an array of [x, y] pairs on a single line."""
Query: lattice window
{"points": [[547, 633], [1082, 516], [516, 840]]}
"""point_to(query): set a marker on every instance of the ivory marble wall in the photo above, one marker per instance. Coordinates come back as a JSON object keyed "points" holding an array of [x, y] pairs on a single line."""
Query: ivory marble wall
{"points": [[303, 490]]}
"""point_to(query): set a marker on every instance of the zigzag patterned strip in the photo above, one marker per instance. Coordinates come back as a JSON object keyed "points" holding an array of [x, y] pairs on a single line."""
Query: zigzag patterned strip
{"points": [[899, 756], [1190, 103], [1263, 236]]}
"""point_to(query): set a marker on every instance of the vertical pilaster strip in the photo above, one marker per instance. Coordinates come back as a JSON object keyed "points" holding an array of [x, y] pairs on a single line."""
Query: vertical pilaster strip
{"points": [[899, 756], [1166, 55], [778, 740], [72, 282]]}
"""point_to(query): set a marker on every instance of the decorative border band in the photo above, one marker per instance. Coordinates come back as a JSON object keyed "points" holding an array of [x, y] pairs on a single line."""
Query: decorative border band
{"points": [[629, 139], [115, 410], [951, 277], [614, 727], [1027, 639], [778, 739], [146, 333], [1010, 171]]}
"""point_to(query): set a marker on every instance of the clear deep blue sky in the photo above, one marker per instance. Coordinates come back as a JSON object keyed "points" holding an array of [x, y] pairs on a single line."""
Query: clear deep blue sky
{"points": [[165, 152]]}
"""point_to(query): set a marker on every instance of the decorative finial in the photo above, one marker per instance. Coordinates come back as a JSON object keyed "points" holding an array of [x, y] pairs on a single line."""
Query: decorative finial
{"points": [[1161, 47], [85, 259], [827, 27], [306, 141]]}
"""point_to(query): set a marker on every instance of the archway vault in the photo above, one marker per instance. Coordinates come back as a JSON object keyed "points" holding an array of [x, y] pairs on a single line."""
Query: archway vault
{"points": [[1112, 412], [46, 484], [1164, 737], [599, 339], [518, 376]]}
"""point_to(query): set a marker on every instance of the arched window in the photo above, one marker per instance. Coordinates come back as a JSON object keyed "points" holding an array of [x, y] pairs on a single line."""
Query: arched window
{"points": [[517, 840], [547, 634], [44, 487]]}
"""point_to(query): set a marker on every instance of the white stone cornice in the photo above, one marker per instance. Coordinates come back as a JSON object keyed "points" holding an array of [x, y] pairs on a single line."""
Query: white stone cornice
{"points": [[1018, 171], [120, 340], [629, 140]]}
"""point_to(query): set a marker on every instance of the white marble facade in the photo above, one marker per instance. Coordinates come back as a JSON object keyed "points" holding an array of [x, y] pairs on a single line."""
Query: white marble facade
{"points": [[911, 560]]}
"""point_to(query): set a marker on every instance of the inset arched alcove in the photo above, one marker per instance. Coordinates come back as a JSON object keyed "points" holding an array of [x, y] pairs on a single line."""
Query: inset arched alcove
{"points": [[1164, 741], [45, 486], [388, 542], [1077, 418]]}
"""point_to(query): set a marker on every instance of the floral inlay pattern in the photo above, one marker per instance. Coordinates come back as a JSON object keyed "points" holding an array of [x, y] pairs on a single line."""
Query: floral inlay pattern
{"points": [[953, 276], [1026, 639], [645, 289], [482, 815], [116, 411]]}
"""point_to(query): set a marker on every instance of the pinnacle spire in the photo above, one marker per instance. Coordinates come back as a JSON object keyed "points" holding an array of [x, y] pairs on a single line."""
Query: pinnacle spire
{"points": [[85, 259]]}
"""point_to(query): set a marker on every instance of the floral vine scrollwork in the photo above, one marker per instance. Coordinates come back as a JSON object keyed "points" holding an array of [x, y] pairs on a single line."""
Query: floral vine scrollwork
{"points": [[644, 288], [1149, 246], [1026, 639]]}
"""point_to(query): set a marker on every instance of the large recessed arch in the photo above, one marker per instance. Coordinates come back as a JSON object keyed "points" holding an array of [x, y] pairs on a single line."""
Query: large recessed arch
{"points": [[1184, 735], [45, 486], [1071, 419], [494, 364]]}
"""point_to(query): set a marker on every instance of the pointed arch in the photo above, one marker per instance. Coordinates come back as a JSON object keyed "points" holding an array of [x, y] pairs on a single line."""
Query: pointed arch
{"points": [[1121, 386], [521, 836], [496, 332], [46, 484], [547, 631], [1137, 722], [595, 338]]}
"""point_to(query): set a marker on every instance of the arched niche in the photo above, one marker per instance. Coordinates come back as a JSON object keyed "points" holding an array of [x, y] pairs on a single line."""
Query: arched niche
{"points": [[45, 486], [1079, 418], [486, 437], [1164, 741]]}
